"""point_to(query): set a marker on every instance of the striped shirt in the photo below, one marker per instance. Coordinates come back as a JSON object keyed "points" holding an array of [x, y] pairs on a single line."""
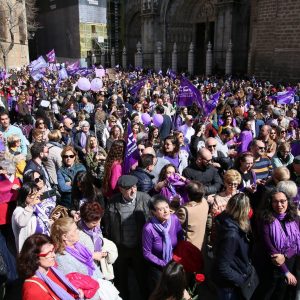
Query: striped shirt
{"points": [[262, 168]]}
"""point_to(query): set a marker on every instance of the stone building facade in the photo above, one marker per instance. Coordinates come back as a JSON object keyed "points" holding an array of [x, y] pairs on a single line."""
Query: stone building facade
{"points": [[265, 34], [16, 19], [275, 39]]}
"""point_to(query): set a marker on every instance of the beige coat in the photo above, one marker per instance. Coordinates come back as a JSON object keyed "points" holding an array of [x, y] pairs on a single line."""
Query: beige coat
{"points": [[196, 221]]}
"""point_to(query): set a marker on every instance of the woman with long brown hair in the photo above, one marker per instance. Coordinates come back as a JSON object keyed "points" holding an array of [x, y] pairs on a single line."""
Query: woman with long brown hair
{"points": [[113, 167]]}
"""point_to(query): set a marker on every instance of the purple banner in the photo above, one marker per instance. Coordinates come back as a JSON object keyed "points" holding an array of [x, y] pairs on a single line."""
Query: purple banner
{"points": [[74, 66], [51, 56], [286, 97], [188, 94], [131, 151], [62, 74], [38, 64], [211, 104], [134, 90]]}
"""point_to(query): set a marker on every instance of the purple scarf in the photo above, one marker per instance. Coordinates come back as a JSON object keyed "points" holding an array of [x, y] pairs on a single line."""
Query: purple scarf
{"points": [[95, 234], [58, 290], [83, 139], [84, 255], [282, 241], [163, 230]]}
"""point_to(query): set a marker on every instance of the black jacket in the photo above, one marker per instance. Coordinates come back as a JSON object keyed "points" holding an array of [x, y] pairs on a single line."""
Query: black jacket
{"points": [[232, 265], [112, 217], [145, 183], [209, 176]]}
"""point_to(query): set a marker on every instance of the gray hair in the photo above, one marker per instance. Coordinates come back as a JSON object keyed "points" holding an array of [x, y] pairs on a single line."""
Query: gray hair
{"points": [[9, 166], [288, 187]]}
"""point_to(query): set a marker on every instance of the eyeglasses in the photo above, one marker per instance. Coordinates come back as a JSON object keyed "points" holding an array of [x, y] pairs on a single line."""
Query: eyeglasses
{"points": [[212, 146], [69, 156], [273, 132], [261, 148], [36, 180], [47, 253], [283, 201], [60, 127]]}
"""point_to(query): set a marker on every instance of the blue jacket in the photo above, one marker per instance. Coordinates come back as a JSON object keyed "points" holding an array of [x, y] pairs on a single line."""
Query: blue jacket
{"points": [[65, 175], [232, 264], [145, 180]]}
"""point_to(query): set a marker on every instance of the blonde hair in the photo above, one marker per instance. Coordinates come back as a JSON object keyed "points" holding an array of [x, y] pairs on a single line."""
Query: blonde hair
{"points": [[54, 135], [12, 139], [238, 208], [58, 229], [232, 175], [281, 174]]}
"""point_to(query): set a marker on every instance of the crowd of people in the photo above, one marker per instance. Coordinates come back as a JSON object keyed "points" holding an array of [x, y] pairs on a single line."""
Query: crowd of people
{"points": [[76, 224]]}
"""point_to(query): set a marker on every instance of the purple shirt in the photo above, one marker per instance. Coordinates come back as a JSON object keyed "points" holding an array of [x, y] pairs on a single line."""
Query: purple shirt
{"points": [[153, 241], [173, 160]]}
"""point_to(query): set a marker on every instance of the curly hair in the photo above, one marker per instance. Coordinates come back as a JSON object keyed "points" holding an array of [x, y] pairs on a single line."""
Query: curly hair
{"points": [[91, 211], [28, 260], [174, 141], [267, 213], [163, 173], [115, 154]]}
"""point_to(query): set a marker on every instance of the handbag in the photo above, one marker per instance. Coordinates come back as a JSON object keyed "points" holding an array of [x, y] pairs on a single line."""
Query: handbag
{"points": [[250, 285]]}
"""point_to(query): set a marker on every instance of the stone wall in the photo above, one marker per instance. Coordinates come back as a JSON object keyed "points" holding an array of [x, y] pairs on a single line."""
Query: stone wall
{"points": [[275, 39]]}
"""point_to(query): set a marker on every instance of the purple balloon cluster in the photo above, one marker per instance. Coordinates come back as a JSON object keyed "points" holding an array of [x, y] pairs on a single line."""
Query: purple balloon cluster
{"points": [[85, 85]]}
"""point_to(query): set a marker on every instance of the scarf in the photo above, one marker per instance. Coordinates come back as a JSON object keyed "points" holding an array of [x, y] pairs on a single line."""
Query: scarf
{"points": [[84, 255], [58, 290], [282, 241], [42, 219], [83, 138], [95, 234], [163, 230]]}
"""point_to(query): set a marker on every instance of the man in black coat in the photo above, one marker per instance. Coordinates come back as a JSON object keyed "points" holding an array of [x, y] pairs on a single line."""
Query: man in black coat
{"points": [[202, 170]]}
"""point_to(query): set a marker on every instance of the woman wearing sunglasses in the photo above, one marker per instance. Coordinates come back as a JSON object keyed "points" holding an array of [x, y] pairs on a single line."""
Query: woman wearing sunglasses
{"points": [[66, 174], [29, 216]]}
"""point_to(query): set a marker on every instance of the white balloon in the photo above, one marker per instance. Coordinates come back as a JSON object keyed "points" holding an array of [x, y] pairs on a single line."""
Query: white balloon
{"points": [[96, 85], [84, 84]]}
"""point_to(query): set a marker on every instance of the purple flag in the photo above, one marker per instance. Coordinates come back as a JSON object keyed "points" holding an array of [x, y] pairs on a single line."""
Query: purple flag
{"points": [[51, 56], [211, 104], [74, 66], [62, 74], [52, 67], [188, 94], [37, 75], [37, 64], [286, 97], [171, 74], [131, 151], [134, 90]]}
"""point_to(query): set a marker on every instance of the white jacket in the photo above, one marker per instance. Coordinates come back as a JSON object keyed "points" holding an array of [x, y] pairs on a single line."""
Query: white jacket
{"points": [[23, 225]]}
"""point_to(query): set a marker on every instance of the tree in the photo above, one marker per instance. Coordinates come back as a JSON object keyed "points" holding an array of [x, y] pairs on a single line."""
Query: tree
{"points": [[13, 19]]}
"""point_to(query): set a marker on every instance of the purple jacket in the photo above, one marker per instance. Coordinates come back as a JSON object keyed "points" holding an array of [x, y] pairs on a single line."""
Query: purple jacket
{"points": [[153, 241]]}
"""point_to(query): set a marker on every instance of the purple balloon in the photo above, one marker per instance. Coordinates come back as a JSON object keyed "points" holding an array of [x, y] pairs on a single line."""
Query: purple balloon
{"points": [[146, 118], [96, 85], [158, 120], [84, 84]]}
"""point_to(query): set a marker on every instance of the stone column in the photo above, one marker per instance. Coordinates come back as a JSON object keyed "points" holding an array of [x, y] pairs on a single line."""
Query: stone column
{"points": [[113, 58], [208, 69], [158, 57], [228, 63], [174, 58], [191, 59], [124, 58], [103, 58], [138, 58]]}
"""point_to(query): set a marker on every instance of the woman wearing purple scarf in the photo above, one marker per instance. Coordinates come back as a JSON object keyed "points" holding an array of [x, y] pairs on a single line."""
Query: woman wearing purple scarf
{"points": [[72, 256], [172, 186], [104, 251], [160, 236], [281, 240], [43, 281]]}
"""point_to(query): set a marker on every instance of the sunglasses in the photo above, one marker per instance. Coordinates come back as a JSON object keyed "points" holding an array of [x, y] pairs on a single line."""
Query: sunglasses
{"points": [[283, 131], [36, 180], [261, 148], [41, 123], [47, 253], [211, 146], [69, 156]]}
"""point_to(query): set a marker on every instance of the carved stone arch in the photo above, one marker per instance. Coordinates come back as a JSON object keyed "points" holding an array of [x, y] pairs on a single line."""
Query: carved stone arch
{"points": [[133, 33]]}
